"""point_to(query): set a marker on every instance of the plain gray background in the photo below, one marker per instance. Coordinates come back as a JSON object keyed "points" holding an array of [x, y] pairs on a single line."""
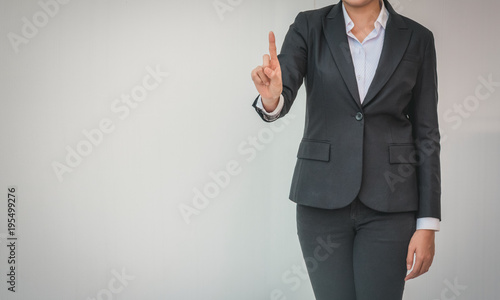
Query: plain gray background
{"points": [[117, 211]]}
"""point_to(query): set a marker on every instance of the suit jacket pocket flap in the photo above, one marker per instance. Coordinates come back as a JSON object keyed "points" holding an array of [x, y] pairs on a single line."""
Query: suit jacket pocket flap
{"points": [[403, 154], [314, 150]]}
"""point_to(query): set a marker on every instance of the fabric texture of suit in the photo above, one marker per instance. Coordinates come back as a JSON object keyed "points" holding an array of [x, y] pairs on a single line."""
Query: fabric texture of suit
{"points": [[384, 151]]}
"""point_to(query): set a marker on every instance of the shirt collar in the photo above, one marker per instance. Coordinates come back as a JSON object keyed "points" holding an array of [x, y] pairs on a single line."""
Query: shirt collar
{"points": [[381, 20]]}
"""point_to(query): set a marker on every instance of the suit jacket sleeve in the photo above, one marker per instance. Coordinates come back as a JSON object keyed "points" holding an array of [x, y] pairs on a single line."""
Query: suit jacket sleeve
{"points": [[423, 114]]}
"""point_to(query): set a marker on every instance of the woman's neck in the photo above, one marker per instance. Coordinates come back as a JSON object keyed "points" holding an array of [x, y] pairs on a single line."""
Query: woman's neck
{"points": [[365, 15]]}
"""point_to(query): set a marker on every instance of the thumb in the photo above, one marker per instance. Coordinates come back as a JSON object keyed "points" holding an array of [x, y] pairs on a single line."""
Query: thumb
{"points": [[409, 258]]}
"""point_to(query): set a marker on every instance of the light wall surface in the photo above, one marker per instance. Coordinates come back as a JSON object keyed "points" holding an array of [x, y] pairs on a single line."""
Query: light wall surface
{"points": [[140, 170]]}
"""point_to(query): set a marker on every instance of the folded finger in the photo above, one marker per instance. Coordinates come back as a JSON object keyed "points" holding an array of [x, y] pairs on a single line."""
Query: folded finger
{"points": [[266, 61], [263, 77]]}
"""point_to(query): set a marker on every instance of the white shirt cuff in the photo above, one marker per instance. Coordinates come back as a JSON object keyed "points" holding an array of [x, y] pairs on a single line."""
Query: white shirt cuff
{"points": [[275, 111], [428, 223]]}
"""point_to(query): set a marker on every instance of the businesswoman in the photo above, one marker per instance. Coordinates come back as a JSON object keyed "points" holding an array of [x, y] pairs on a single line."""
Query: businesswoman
{"points": [[367, 176]]}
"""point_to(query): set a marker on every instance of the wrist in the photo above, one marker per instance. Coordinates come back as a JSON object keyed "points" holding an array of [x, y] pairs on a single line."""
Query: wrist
{"points": [[426, 231], [270, 104], [270, 101]]}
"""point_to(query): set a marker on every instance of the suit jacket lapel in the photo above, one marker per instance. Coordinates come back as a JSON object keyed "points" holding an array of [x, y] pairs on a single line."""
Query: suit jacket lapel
{"points": [[397, 37], [334, 29]]}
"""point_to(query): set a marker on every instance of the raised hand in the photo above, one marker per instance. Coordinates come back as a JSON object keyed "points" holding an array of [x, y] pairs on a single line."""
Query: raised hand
{"points": [[267, 78]]}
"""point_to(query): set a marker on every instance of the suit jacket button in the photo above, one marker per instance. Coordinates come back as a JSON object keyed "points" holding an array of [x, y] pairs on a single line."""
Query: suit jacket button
{"points": [[359, 116]]}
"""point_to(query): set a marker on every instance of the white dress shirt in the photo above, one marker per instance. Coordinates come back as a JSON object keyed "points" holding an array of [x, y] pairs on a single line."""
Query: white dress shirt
{"points": [[365, 56]]}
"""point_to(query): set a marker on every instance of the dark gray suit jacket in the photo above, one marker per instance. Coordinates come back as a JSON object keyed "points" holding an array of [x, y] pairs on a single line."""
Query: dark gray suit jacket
{"points": [[386, 150]]}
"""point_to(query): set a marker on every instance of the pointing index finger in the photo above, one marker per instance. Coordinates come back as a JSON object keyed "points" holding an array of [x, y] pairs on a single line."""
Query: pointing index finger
{"points": [[272, 46]]}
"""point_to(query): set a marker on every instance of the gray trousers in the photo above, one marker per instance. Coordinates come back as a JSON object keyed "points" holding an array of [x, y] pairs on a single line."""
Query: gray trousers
{"points": [[355, 252]]}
